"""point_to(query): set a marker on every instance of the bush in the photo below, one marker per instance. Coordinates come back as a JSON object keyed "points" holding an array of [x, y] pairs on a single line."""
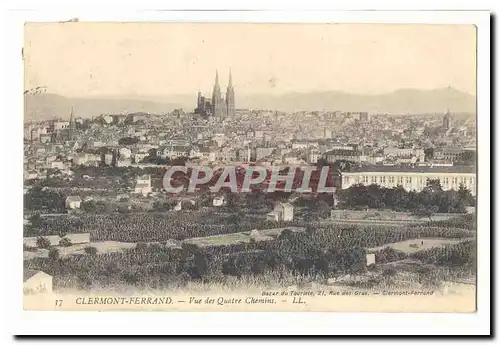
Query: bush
{"points": [[128, 141], [90, 250], [65, 242], [389, 254], [390, 272], [53, 254], [43, 242], [36, 220]]}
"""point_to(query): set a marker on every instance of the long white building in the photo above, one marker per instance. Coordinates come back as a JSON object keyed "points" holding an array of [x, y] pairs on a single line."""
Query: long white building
{"points": [[412, 178]]}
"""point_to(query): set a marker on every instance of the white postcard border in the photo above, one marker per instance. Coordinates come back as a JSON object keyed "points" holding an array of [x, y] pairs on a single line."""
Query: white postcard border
{"points": [[123, 323]]}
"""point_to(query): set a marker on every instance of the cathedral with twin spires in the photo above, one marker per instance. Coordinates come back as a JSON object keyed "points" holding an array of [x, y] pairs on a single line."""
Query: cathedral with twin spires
{"points": [[217, 106]]}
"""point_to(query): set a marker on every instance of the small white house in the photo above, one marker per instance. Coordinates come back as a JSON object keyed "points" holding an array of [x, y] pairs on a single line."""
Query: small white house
{"points": [[282, 212], [31, 175], [218, 201], [107, 118], [178, 207], [125, 153], [57, 165], [36, 282], [370, 259], [108, 158], [143, 185], [73, 202], [139, 156], [470, 209]]}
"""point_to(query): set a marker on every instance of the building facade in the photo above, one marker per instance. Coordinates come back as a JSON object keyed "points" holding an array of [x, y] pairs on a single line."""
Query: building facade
{"points": [[73, 202], [450, 154], [347, 155], [218, 106], [143, 185], [283, 212], [450, 177], [447, 121]]}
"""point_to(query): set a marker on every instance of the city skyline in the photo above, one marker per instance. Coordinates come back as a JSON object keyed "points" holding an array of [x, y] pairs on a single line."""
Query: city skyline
{"points": [[351, 58]]}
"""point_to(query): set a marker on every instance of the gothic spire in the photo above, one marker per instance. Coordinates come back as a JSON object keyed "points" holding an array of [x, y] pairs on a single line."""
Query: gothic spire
{"points": [[216, 85], [71, 124], [230, 96]]}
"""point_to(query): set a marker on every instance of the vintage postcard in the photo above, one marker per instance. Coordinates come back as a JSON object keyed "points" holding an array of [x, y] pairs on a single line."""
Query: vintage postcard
{"points": [[250, 167]]}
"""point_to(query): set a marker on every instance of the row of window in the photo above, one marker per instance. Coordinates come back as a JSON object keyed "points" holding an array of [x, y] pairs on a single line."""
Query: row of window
{"points": [[400, 180]]}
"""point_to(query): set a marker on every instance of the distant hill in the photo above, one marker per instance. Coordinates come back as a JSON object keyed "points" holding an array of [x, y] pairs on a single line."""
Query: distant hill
{"points": [[403, 101], [47, 106]]}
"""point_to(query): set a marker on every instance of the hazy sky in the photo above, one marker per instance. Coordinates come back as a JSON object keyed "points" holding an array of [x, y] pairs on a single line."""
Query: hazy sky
{"points": [[101, 59]]}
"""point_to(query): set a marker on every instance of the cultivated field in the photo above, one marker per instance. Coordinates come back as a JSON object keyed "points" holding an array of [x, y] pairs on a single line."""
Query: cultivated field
{"points": [[241, 237], [418, 244], [79, 249]]}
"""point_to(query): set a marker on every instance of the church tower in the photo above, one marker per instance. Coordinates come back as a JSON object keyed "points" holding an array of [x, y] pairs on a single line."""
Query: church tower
{"points": [[230, 97], [71, 126], [217, 103], [447, 120]]}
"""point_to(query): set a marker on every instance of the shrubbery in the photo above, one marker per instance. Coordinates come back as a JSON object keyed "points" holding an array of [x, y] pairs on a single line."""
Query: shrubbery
{"points": [[316, 253], [430, 200]]}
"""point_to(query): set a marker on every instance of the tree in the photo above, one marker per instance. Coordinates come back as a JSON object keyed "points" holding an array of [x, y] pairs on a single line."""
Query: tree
{"points": [[229, 268], [390, 272], [123, 209], [166, 205], [53, 254], [92, 206], [152, 152], [304, 265], [179, 161], [42, 242], [188, 205], [323, 209], [356, 260], [35, 220], [128, 141], [425, 211], [429, 153], [467, 158], [200, 265], [65, 242], [465, 196], [44, 200], [433, 186], [90, 250], [153, 158], [131, 277]]}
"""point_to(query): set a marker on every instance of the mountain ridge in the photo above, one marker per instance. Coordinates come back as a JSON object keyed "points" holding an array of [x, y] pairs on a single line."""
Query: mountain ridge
{"points": [[402, 101]]}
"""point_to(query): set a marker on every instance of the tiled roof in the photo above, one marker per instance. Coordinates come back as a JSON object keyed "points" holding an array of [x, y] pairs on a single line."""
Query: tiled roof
{"points": [[343, 153], [420, 169]]}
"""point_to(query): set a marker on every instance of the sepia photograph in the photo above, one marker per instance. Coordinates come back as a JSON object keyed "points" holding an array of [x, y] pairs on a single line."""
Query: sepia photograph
{"points": [[273, 167]]}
